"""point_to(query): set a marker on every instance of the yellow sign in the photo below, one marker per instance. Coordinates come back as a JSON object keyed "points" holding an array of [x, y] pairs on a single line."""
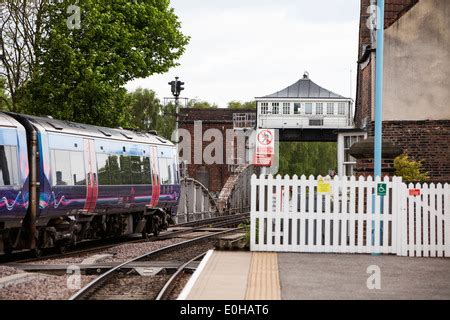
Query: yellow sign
{"points": [[323, 186]]}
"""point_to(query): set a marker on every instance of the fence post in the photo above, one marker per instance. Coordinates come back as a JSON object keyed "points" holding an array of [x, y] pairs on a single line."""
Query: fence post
{"points": [[447, 219], [253, 214], [397, 206]]}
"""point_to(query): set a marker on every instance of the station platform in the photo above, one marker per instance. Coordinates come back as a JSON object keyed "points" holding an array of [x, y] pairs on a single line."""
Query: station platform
{"points": [[235, 275], [243, 275]]}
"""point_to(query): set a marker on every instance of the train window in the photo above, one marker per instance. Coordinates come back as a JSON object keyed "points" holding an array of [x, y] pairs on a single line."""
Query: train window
{"points": [[114, 170], [125, 169], [9, 174], [175, 173], [103, 169], [136, 170], [77, 168], [164, 173], [147, 176], [62, 174]]}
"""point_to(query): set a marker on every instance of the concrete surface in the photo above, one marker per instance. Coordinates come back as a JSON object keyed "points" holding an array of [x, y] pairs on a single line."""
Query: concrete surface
{"points": [[237, 275], [223, 278], [344, 276]]}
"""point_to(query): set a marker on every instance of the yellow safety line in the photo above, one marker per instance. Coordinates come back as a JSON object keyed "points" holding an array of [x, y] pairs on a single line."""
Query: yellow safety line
{"points": [[263, 281]]}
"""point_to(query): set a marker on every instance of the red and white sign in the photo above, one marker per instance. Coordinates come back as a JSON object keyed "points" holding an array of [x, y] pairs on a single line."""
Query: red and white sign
{"points": [[265, 147], [414, 192], [262, 160]]}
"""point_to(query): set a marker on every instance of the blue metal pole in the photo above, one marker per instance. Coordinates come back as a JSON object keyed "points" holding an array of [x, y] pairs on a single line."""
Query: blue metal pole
{"points": [[379, 88], [378, 104]]}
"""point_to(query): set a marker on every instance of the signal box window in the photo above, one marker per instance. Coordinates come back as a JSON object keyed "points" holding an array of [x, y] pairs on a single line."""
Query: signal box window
{"points": [[275, 108], [330, 108], [297, 108], [308, 108], [319, 108], [341, 108]]}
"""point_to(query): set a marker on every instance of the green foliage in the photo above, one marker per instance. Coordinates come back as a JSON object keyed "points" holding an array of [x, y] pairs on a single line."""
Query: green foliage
{"points": [[242, 105], [409, 170], [147, 113], [80, 73], [145, 109], [246, 226], [201, 104], [307, 158], [5, 101]]}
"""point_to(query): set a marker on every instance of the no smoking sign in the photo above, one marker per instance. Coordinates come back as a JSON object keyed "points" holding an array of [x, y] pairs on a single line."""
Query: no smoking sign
{"points": [[265, 137], [265, 145]]}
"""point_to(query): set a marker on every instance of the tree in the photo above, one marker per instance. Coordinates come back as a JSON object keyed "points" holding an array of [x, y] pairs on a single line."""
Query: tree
{"points": [[193, 103], [242, 105], [5, 101], [145, 109], [307, 158], [83, 62], [147, 113], [20, 31]]}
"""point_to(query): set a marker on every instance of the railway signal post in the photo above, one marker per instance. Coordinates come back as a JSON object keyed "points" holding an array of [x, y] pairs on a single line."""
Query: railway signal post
{"points": [[176, 88]]}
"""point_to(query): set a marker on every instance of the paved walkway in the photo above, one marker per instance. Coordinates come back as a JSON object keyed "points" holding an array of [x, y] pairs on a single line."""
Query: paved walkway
{"points": [[231, 275], [344, 276]]}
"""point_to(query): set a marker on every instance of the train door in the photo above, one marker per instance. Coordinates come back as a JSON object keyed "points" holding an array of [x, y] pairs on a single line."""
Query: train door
{"points": [[91, 175], [156, 183]]}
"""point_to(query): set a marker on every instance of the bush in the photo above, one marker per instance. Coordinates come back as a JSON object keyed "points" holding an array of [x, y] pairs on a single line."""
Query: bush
{"points": [[409, 170]]}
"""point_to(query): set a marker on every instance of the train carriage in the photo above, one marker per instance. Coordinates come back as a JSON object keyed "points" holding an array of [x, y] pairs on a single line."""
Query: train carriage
{"points": [[90, 182]]}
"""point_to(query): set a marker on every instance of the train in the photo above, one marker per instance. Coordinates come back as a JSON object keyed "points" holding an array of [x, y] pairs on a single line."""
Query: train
{"points": [[63, 182]]}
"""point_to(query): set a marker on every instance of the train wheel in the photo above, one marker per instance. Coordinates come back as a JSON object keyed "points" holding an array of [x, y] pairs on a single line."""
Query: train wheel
{"points": [[37, 252], [155, 225], [156, 230], [62, 248], [8, 250]]}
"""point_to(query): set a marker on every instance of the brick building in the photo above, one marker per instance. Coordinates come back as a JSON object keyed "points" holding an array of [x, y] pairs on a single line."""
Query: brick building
{"points": [[416, 110], [213, 176]]}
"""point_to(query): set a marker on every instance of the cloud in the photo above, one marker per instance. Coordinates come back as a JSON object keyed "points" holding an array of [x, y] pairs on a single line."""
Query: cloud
{"points": [[243, 49]]}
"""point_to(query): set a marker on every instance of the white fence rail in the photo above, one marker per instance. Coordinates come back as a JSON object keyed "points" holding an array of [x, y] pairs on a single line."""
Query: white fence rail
{"points": [[294, 215]]}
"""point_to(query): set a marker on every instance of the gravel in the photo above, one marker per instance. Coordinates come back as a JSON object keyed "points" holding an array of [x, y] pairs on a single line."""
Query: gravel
{"points": [[132, 250], [131, 287], [54, 287], [120, 253], [48, 288], [8, 271]]}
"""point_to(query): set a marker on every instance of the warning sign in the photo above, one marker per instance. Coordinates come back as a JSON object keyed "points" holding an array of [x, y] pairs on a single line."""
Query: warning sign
{"points": [[414, 192], [265, 147], [324, 186]]}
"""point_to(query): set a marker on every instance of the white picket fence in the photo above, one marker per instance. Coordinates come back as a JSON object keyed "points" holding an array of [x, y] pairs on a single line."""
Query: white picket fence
{"points": [[291, 215]]}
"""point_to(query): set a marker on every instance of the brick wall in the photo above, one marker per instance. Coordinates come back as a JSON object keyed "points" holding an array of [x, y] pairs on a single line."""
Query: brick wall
{"points": [[364, 99], [428, 141], [221, 119]]}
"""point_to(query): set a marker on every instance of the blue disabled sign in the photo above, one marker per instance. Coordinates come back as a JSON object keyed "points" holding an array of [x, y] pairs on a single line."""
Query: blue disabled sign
{"points": [[381, 189]]}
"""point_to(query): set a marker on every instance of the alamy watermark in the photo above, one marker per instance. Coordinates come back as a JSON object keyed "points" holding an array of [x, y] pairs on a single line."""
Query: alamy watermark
{"points": [[374, 280]]}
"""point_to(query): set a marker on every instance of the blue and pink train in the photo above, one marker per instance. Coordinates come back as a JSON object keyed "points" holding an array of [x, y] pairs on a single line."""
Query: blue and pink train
{"points": [[63, 182]]}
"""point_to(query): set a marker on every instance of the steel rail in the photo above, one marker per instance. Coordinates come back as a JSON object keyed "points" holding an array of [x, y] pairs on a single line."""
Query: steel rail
{"points": [[168, 287], [94, 284]]}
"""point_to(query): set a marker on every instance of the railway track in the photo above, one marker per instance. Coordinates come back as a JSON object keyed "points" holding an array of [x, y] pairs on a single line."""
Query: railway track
{"points": [[122, 282], [95, 246]]}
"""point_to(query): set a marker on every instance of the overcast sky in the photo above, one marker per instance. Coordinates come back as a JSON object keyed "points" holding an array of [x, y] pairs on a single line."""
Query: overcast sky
{"points": [[241, 49]]}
